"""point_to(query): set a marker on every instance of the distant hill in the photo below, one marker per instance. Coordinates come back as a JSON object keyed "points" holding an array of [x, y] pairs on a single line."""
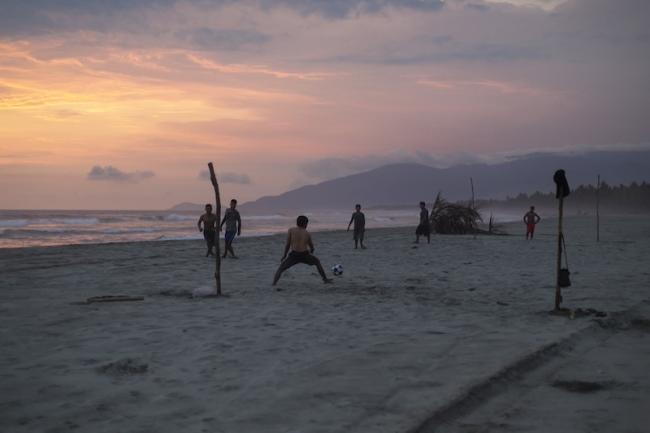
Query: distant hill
{"points": [[399, 184], [187, 207]]}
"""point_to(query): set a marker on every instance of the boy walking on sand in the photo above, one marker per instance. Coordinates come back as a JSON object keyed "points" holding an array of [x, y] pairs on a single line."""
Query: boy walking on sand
{"points": [[423, 228], [209, 228], [233, 227], [531, 219], [359, 220], [302, 250]]}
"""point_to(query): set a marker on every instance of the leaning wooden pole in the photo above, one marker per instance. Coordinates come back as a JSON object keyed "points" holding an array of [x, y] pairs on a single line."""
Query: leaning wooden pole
{"points": [[217, 196], [558, 290], [598, 210], [471, 183]]}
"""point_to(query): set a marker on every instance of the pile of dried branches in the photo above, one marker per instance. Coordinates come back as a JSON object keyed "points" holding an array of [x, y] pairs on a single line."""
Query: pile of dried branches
{"points": [[454, 218], [495, 228]]}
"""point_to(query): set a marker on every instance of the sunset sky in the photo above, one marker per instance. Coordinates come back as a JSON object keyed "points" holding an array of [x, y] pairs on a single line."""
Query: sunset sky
{"points": [[109, 105]]}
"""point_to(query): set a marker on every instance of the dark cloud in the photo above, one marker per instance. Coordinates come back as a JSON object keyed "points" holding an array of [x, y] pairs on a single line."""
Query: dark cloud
{"points": [[206, 38], [478, 7], [112, 174], [227, 177], [338, 9], [29, 17]]}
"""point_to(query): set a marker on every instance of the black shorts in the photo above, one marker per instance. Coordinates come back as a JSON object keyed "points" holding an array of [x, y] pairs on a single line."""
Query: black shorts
{"points": [[423, 230], [295, 257], [209, 236], [358, 233]]}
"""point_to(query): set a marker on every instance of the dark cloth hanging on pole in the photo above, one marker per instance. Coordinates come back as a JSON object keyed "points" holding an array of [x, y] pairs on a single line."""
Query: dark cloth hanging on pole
{"points": [[562, 185]]}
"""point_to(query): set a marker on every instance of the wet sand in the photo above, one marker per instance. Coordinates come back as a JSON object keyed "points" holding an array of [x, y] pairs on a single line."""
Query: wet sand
{"points": [[403, 341]]}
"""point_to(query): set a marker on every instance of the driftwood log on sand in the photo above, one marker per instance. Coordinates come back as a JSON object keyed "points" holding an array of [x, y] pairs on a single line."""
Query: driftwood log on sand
{"points": [[113, 298]]}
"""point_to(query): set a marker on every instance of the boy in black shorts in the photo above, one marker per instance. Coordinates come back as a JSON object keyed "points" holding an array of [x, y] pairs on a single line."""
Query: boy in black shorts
{"points": [[302, 250]]}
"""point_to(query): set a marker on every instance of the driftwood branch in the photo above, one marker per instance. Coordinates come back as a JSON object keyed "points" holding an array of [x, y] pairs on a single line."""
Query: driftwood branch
{"points": [[454, 218], [215, 184]]}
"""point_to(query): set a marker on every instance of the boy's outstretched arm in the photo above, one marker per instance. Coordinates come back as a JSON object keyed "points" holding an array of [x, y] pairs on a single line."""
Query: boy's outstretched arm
{"points": [[350, 223], [238, 225]]}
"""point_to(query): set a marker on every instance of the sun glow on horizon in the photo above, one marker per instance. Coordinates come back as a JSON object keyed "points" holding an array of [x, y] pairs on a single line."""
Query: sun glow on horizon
{"points": [[270, 92]]}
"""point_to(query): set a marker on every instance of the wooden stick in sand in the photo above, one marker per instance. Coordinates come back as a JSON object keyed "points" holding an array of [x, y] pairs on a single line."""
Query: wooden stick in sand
{"points": [[558, 290], [471, 183], [598, 210], [215, 184], [562, 190]]}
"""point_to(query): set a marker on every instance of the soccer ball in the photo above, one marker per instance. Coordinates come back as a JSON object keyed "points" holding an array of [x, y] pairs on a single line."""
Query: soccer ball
{"points": [[337, 270]]}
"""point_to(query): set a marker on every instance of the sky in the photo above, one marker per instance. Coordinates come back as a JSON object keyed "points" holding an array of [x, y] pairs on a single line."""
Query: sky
{"points": [[121, 104]]}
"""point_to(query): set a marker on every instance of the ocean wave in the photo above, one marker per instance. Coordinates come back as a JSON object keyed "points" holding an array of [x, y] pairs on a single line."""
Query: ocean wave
{"points": [[151, 217], [66, 221], [179, 237], [119, 231], [266, 217], [31, 233], [13, 223], [177, 217], [382, 219], [114, 219]]}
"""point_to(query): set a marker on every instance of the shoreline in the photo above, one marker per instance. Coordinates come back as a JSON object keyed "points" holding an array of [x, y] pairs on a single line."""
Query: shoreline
{"points": [[510, 228]]}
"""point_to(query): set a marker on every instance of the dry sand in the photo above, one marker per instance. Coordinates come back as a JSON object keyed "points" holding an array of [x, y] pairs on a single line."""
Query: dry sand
{"points": [[451, 336]]}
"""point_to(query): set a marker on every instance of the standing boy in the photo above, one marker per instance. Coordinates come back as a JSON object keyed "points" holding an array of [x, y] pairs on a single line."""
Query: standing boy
{"points": [[423, 228], [302, 250], [531, 219], [233, 227], [209, 228], [359, 220]]}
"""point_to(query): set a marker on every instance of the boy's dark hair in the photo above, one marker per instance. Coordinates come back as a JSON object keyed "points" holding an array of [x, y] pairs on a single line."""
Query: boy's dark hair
{"points": [[233, 201], [532, 208], [422, 203], [357, 205], [302, 221], [208, 205]]}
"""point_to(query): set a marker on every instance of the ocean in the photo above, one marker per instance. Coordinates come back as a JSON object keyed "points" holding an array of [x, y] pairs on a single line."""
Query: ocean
{"points": [[30, 228]]}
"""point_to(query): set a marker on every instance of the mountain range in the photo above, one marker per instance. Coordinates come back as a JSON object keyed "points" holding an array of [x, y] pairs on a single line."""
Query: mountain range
{"points": [[407, 184]]}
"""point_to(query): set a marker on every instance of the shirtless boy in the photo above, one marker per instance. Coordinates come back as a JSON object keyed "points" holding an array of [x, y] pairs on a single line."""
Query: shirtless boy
{"points": [[302, 250], [423, 228], [232, 220], [359, 220], [531, 219], [209, 228]]}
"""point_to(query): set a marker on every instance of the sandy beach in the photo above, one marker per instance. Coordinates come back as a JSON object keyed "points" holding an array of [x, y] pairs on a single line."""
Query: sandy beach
{"points": [[451, 336]]}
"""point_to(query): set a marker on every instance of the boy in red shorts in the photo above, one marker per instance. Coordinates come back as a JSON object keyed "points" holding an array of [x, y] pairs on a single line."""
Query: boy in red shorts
{"points": [[531, 219]]}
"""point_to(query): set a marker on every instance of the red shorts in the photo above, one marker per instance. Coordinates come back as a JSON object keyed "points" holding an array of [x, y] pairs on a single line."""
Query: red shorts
{"points": [[530, 228]]}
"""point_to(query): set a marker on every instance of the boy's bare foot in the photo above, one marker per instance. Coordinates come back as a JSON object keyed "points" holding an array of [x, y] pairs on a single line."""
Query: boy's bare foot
{"points": [[362, 247], [328, 281]]}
